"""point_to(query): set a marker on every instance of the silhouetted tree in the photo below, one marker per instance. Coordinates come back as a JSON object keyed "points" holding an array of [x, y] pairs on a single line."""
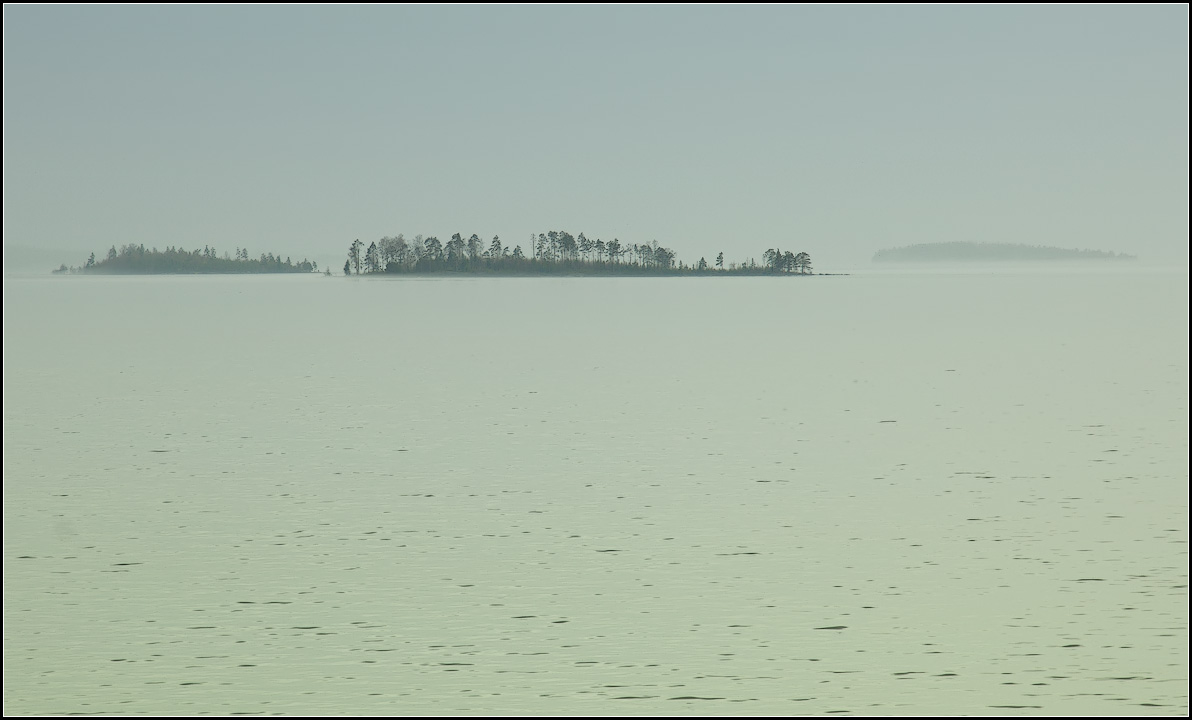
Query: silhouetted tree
{"points": [[613, 249], [455, 248], [803, 262], [432, 249], [568, 247], [372, 259], [788, 261]]}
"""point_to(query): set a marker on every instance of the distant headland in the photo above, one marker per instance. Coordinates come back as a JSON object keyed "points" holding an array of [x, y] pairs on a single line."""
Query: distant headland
{"points": [[990, 252]]}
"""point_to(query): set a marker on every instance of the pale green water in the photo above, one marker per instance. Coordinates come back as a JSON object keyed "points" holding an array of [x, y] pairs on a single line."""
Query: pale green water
{"points": [[607, 496]]}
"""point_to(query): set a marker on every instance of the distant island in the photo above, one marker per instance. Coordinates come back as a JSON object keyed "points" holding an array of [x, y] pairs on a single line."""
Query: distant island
{"points": [[556, 252], [136, 260], [552, 253], [989, 252]]}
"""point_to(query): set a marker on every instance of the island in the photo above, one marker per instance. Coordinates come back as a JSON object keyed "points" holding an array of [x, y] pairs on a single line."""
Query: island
{"points": [[989, 252], [556, 252], [551, 253], [136, 260]]}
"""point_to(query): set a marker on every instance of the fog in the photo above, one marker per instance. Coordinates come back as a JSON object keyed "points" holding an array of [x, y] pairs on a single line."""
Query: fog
{"points": [[833, 130], [921, 489]]}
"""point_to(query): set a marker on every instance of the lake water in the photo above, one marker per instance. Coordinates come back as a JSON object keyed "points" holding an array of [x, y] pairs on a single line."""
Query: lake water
{"points": [[882, 493]]}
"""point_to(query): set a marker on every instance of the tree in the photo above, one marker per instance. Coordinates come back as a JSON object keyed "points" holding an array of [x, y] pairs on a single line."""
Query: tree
{"points": [[387, 250], [475, 247], [372, 259], [495, 250], [455, 248], [354, 254], [568, 246], [720, 261], [432, 248], [788, 261], [112, 253], [803, 262], [613, 249], [553, 249], [347, 267], [401, 250]]}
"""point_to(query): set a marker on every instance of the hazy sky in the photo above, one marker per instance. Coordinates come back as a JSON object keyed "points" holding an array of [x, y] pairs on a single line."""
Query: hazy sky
{"points": [[835, 130]]}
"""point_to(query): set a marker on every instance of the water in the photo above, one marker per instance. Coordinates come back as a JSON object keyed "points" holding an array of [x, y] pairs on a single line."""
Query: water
{"points": [[893, 493]]}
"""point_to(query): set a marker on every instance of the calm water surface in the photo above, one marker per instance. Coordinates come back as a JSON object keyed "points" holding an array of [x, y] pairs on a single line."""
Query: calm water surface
{"points": [[880, 494]]}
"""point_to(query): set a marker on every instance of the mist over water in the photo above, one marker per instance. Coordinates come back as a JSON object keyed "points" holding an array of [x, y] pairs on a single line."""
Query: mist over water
{"points": [[897, 492]]}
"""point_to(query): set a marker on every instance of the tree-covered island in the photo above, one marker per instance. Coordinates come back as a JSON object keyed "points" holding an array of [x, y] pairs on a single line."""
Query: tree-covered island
{"points": [[551, 253], [136, 260]]}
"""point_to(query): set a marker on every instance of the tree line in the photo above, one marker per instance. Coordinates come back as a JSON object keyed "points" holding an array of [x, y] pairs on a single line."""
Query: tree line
{"points": [[554, 252], [135, 259], [788, 261]]}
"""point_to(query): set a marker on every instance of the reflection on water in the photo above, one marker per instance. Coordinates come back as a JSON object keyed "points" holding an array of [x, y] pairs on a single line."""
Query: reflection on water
{"points": [[889, 494]]}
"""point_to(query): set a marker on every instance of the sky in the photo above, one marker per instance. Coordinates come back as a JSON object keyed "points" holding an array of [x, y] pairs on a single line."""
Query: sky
{"points": [[834, 130]]}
